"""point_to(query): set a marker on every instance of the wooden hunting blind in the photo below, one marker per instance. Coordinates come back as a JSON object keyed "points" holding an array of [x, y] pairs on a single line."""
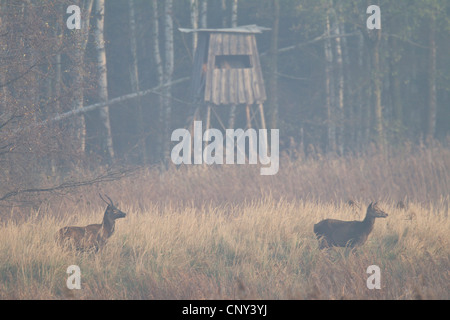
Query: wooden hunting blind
{"points": [[226, 69]]}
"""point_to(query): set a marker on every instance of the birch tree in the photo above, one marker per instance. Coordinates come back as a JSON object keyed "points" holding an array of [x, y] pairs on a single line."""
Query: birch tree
{"points": [[159, 70], [168, 72], [2, 72], [234, 23], [80, 38], [273, 77], [234, 13], [329, 87], [134, 79], [102, 78], [432, 101], [194, 24], [204, 14], [340, 85], [376, 84]]}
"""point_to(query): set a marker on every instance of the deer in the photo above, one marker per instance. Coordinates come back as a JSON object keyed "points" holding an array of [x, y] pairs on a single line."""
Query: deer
{"points": [[338, 233], [93, 236]]}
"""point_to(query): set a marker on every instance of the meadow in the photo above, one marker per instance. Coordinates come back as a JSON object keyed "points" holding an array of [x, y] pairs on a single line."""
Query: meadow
{"points": [[228, 233]]}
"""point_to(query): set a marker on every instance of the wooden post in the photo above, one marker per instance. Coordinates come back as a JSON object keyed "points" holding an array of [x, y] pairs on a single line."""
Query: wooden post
{"points": [[251, 143], [249, 119], [208, 124], [263, 126], [263, 119]]}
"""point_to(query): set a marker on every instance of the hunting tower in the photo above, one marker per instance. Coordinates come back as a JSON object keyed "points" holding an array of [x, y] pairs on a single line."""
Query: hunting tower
{"points": [[227, 70]]}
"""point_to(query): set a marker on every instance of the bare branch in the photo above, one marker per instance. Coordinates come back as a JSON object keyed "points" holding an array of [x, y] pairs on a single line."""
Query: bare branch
{"points": [[104, 177]]}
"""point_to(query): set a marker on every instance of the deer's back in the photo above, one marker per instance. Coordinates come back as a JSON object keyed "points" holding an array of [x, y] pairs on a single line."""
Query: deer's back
{"points": [[340, 233], [82, 237]]}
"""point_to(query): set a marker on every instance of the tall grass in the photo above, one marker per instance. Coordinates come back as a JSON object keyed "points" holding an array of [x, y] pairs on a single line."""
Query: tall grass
{"points": [[418, 173], [228, 233]]}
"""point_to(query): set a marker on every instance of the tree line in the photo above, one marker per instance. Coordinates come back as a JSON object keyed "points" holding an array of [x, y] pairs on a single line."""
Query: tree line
{"points": [[114, 90]]}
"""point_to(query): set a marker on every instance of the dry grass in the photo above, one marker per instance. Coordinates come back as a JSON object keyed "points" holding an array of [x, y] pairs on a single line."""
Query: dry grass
{"points": [[227, 233]]}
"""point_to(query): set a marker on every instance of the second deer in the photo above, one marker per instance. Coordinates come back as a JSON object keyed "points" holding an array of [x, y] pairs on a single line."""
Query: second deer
{"points": [[93, 236], [338, 233]]}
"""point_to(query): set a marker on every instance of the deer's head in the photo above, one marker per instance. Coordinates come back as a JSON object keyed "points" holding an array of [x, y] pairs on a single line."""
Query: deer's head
{"points": [[112, 212], [375, 212]]}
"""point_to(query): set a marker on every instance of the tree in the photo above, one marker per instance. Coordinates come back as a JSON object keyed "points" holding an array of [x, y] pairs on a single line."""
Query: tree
{"points": [[194, 23], [273, 78], [432, 99], [134, 79], [168, 72], [234, 23], [160, 71], [102, 78], [329, 86], [80, 38], [340, 84]]}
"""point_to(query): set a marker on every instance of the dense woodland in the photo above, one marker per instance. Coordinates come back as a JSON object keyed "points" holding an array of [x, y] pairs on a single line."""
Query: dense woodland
{"points": [[334, 86]]}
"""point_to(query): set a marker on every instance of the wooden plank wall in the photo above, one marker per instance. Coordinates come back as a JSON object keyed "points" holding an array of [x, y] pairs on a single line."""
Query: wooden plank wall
{"points": [[234, 86]]}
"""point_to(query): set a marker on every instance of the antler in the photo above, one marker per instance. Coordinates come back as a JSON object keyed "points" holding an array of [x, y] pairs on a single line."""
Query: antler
{"points": [[110, 201]]}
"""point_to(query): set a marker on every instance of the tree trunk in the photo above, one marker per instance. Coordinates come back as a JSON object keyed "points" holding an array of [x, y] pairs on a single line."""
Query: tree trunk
{"points": [[81, 38], [224, 13], [194, 24], [273, 77], [134, 79], [57, 79], [365, 94], [3, 93], [160, 72], [379, 138], [102, 79], [432, 102], [329, 88], [340, 97], [58, 75], [204, 14], [349, 120], [394, 87], [234, 13], [168, 72]]}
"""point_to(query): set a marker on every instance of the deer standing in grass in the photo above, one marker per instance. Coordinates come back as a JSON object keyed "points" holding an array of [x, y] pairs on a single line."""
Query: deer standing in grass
{"points": [[93, 236], [338, 233]]}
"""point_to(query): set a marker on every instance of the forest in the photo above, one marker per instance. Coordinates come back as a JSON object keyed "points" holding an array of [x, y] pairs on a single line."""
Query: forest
{"points": [[355, 97], [333, 85]]}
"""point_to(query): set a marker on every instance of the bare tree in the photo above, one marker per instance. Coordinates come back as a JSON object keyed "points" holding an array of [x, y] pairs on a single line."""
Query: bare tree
{"points": [[273, 77], [80, 39], [432, 104], [234, 21], [168, 72], [2, 73], [329, 87], [159, 69], [134, 79], [340, 85], [378, 111], [204, 13], [194, 23], [234, 13], [102, 77]]}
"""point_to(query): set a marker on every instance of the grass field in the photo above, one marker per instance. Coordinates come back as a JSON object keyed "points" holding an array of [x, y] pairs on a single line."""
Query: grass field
{"points": [[228, 233]]}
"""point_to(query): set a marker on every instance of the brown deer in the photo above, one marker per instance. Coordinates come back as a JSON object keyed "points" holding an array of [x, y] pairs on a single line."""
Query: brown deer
{"points": [[338, 233], [93, 236]]}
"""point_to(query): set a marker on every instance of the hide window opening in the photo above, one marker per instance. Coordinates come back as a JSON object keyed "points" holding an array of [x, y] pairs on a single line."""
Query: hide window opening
{"points": [[233, 62]]}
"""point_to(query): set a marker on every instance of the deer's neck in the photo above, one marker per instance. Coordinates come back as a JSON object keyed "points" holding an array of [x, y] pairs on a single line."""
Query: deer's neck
{"points": [[368, 222], [108, 227]]}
